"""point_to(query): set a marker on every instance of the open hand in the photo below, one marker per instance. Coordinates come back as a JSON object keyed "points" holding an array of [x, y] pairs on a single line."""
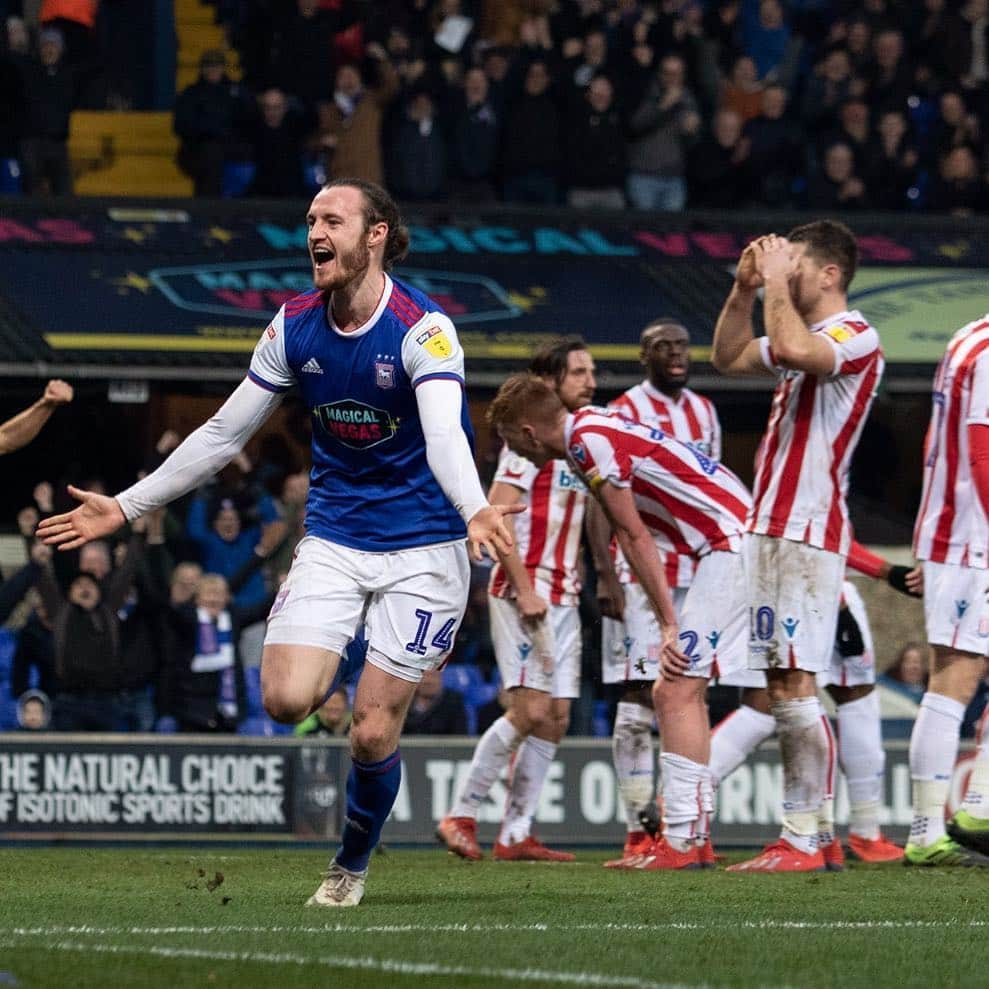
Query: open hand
{"points": [[487, 530], [97, 516]]}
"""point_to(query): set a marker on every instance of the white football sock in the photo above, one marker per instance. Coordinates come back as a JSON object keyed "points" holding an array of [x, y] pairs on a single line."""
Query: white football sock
{"points": [[805, 751], [631, 748], [735, 738], [977, 796], [683, 799], [863, 761], [825, 818], [531, 765], [491, 756], [933, 750]]}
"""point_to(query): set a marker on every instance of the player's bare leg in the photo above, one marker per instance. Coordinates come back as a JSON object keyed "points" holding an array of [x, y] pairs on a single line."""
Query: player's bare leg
{"points": [[295, 679], [380, 706], [686, 779], [933, 751], [532, 761]]}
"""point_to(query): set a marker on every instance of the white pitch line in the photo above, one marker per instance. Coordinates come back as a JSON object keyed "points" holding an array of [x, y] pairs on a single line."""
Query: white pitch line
{"points": [[494, 928], [389, 965]]}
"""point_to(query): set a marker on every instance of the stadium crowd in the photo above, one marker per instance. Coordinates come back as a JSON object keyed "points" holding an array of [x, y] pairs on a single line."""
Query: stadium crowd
{"points": [[818, 104]]}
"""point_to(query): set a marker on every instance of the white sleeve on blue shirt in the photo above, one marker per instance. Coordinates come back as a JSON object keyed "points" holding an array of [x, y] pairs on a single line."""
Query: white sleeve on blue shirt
{"points": [[269, 365], [431, 350], [204, 451]]}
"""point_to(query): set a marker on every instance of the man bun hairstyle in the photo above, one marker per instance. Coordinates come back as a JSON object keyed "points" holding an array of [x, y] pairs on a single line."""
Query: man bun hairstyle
{"points": [[379, 207], [829, 242], [550, 360]]}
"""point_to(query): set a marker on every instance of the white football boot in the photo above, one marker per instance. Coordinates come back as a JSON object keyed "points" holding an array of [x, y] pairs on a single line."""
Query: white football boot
{"points": [[340, 888]]}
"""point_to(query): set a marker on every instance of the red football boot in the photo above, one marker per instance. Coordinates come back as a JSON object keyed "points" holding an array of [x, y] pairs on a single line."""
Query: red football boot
{"points": [[834, 856], [530, 849], [459, 834], [665, 856], [706, 856], [874, 850], [637, 844], [781, 856]]}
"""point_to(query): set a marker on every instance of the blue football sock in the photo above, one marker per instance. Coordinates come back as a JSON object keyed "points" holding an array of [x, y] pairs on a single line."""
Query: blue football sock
{"points": [[371, 791]]}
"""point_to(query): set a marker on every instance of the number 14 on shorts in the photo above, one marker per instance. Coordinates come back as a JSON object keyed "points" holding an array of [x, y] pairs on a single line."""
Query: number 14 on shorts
{"points": [[442, 640]]}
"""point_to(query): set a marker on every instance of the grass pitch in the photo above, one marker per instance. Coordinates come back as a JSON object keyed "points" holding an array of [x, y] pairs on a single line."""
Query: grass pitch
{"points": [[234, 918]]}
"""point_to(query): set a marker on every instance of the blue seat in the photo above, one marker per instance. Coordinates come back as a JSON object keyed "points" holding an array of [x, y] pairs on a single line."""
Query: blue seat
{"points": [[461, 677], [256, 724], [252, 688], [237, 178], [10, 177]]}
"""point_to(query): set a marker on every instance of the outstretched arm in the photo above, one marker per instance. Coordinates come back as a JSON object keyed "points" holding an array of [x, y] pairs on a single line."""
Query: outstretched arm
{"points": [[198, 457], [23, 427], [452, 463]]}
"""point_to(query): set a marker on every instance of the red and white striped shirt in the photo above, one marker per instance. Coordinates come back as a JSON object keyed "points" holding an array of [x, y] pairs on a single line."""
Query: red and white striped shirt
{"points": [[691, 419], [815, 421], [691, 504], [547, 534], [951, 524]]}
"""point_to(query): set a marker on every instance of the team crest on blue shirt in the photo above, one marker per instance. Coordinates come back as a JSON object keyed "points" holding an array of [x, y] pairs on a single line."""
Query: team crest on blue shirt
{"points": [[355, 424], [384, 374]]}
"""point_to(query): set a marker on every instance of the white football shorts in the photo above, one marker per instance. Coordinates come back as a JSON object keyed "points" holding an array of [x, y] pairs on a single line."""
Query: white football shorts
{"points": [[630, 648], [410, 601], [852, 671], [544, 657], [956, 607], [794, 593]]}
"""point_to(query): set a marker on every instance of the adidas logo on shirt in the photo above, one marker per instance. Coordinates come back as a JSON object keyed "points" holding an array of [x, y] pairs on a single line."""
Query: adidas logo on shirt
{"points": [[311, 367]]}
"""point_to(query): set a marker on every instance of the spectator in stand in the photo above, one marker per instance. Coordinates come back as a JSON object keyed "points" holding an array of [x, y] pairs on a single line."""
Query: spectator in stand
{"points": [[229, 533], [474, 135], [354, 119], [49, 86], [742, 91], [435, 710], [417, 150], [211, 120], [292, 508], [901, 687], [497, 64], [34, 660], [768, 40], [853, 129], [277, 142], [203, 680], [719, 173], [965, 42], [75, 20], [532, 141], [23, 427], [14, 49], [33, 710], [775, 150], [838, 186], [858, 43], [959, 188], [892, 166], [596, 158], [723, 29], [300, 52], [585, 59], [954, 127], [663, 128], [829, 87], [926, 36], [86, 631], [333, 718], [889, 76]]}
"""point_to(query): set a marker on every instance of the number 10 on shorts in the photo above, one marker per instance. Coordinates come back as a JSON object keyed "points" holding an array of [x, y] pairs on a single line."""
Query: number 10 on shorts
{"points": [[442, 640]]}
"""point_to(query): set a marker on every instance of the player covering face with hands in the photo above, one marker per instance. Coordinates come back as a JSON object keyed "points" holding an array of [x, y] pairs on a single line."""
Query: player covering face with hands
{"points": [[394, 502]]}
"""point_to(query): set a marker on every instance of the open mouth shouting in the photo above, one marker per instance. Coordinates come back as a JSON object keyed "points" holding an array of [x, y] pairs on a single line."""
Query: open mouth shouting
{"points": [[321, 256]]}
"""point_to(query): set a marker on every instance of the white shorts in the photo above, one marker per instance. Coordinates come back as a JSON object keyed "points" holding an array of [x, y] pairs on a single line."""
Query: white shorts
{"points": [[852, 671], [794, 592], [410, 601], [630, 648], [714, 617], [956, 607], [546, 659]]}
